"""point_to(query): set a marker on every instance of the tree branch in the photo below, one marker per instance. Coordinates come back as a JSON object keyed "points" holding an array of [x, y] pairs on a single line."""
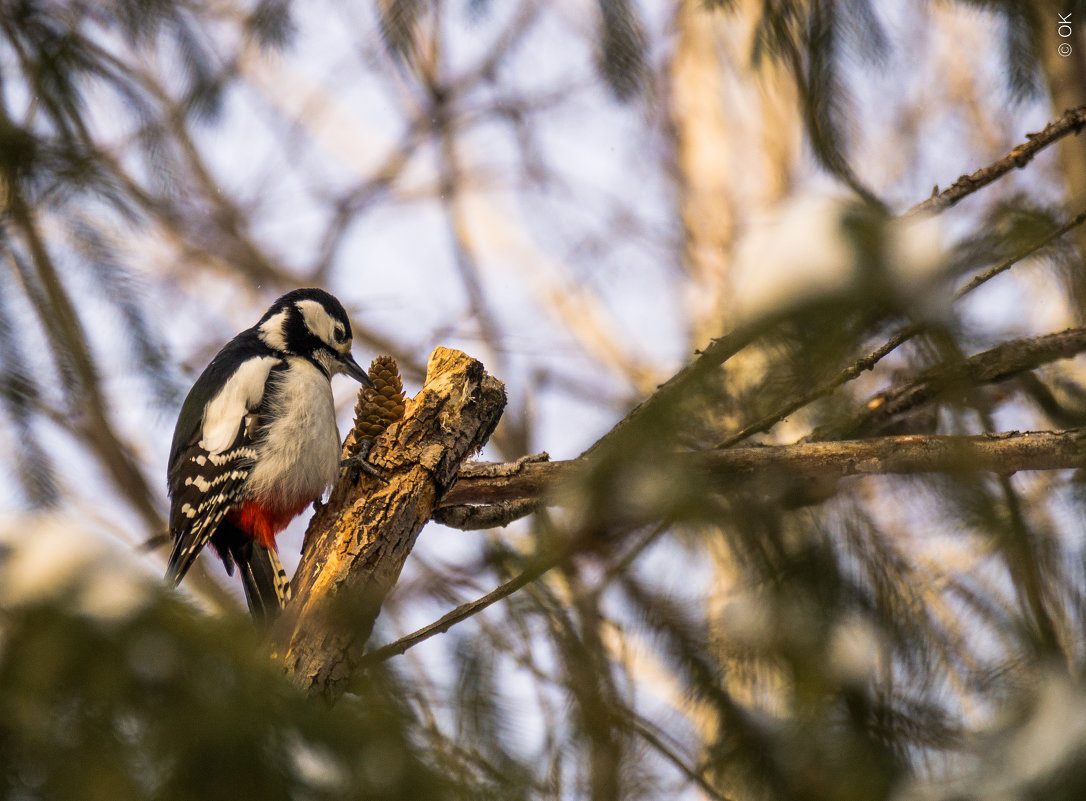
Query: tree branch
{"points": [[1003, 266], [524, 481], [997, 364], [869, 361], [723, 348], [536, 568], [1072, 121], [467, 517], [358, 542], [1002, 453]]}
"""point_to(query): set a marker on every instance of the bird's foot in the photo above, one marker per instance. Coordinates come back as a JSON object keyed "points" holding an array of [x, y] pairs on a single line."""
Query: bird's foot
{"points": [[359, 464]]}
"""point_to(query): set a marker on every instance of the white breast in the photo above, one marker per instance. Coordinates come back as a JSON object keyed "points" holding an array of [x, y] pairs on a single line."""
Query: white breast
{"points": [[298, 453]]}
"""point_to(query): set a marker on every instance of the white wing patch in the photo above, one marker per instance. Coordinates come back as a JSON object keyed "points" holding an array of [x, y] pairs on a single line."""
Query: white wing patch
{"points": [[241, 393]]}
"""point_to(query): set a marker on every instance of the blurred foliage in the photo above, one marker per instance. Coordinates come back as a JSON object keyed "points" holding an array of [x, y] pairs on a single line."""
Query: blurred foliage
{"points": [[857, 640], [55, 55], [621, 59], [819, 40], [173, 704]]}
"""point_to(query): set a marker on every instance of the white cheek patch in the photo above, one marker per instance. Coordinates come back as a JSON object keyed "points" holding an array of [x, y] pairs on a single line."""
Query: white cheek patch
{"points": [[318, 320], [271, 331], [240, 395]]}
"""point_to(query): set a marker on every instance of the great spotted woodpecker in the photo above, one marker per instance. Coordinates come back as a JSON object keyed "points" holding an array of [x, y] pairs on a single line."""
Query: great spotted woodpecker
{"points": [[256, 442]]}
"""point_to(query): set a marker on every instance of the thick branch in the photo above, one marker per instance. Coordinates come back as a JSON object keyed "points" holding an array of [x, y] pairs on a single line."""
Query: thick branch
{"points": [[357, 544], [997, 453], [523, 482]]}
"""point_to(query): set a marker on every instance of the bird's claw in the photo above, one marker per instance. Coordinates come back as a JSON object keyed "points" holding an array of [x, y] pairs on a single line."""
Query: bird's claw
{"points": [[359, 462]]}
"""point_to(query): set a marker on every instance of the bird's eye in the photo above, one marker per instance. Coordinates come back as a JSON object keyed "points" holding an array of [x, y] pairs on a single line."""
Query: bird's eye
{"points": [[340, 334]]}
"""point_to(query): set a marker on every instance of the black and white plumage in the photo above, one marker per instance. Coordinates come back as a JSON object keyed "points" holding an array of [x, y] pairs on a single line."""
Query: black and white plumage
{"points": [[256, 442]]}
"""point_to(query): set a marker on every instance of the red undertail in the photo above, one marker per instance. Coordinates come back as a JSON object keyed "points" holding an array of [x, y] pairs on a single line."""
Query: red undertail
{"points": [[261, 522]]}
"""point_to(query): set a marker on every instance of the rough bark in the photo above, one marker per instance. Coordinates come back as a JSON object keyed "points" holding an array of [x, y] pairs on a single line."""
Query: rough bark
{"points": [[1003, 453], [356, 544]]}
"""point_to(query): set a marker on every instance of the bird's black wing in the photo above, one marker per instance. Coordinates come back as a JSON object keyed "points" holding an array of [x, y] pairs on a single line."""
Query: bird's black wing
{"points": [[207, 489], [205, 482]]}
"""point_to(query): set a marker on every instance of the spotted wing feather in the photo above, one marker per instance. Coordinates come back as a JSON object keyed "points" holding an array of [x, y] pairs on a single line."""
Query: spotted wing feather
{"points": [[208, 486], [214, 448]]}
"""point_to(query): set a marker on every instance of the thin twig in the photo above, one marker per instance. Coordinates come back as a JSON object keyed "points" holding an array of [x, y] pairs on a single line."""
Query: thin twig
{"points": [[851, 372], [897, 340], [1003, 266], [1071, 122], [716, 353], [992, 366], [643, 730], [540, 565]]}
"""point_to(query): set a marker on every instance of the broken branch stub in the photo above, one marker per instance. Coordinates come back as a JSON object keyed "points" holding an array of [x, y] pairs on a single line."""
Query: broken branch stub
{"points": [[356, 544]]}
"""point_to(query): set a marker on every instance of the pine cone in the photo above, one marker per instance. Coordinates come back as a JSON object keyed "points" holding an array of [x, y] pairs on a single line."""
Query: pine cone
{"points": [[379, 407]]}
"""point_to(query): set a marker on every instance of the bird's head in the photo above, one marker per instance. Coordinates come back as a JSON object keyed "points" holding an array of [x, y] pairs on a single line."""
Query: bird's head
{"points": [[311, 323]]}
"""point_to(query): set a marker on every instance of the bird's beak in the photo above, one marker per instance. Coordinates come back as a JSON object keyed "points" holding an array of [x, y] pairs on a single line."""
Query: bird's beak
{"points": [[349, 366]]}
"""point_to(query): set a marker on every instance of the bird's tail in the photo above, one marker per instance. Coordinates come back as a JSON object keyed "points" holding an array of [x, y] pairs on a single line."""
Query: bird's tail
{"points": [[186, 547], [267, 588]]}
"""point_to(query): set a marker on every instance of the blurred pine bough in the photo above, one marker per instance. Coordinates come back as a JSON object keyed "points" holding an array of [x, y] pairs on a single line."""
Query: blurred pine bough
{"points": [[111, 688], [861, 647]]}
